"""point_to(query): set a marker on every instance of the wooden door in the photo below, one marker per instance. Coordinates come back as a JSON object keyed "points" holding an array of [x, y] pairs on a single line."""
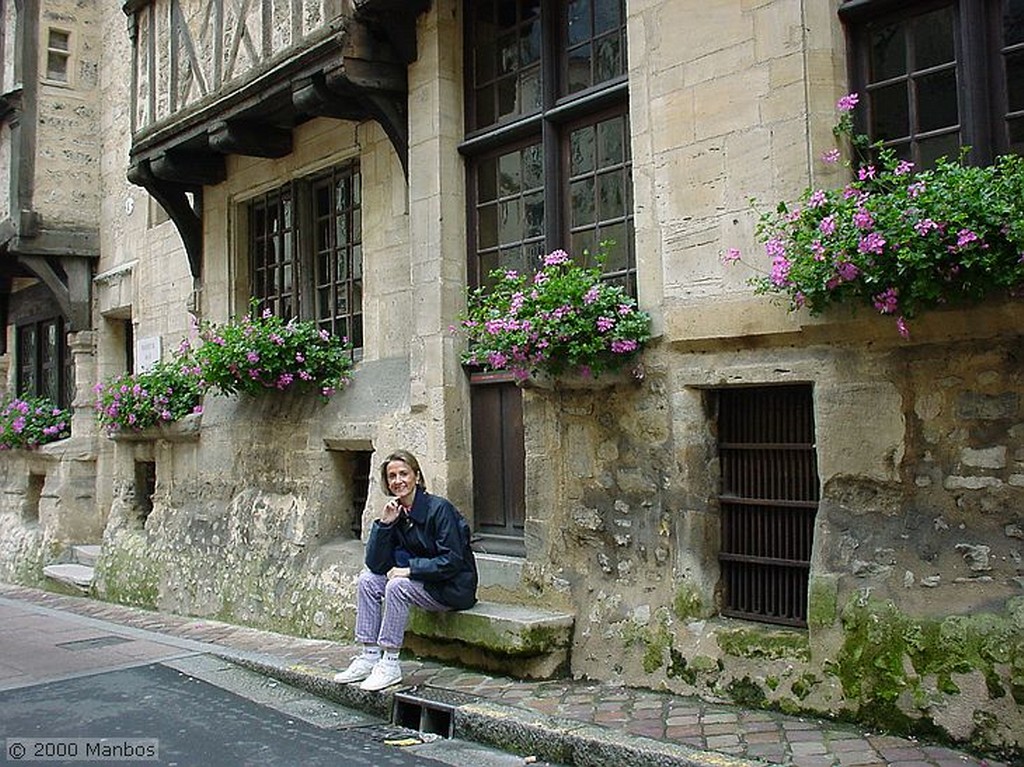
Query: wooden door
{"points": [[499, 464]]}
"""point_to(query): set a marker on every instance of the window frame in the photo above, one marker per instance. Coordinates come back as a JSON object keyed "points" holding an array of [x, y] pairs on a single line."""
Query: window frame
{"points": [[294, 248], [548, 126], [67, 54], [981, 84], [62, 364]]}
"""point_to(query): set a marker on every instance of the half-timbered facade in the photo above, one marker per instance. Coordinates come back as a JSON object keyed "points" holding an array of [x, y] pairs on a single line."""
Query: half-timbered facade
{"points": [[806, 512]]}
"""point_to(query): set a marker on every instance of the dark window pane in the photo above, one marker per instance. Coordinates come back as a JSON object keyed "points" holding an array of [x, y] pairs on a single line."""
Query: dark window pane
{"points": [[932, 36], [890, 118], [533, 209], [511, 173], [609, 59], [510, 221], [512, 258], [508, 54], [485, 60], [488, 263], [583, 242], [1016, 131], [506, 97], [529, 43], [581, 151], [532, 95], [888, 53], [579, 69], [485, 112], [614, 240], [322, 200], [936, 100], [581, 197], [610, 195], [607, 15], [533, 167], [611, 141], [941, 146], [1015, 81], [578, 20], [1013, 22], [487, 179], [487, 227]]}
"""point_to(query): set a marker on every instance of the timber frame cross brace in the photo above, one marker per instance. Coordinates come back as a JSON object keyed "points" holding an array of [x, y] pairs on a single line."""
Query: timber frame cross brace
{"points": [[356, 73]]}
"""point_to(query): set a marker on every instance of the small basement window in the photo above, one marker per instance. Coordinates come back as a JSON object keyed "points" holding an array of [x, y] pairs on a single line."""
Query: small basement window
{"points": [[33, 494], [769, 498], [145, 487]]}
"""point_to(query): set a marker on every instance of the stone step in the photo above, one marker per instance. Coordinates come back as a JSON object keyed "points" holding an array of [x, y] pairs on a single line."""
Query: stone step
{"points": [[527, 642], [85, 553], [71, 574]]}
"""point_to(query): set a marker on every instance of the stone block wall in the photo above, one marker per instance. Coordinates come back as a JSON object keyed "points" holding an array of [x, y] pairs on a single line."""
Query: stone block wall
{"points": [[68, 114], [917, 571]]}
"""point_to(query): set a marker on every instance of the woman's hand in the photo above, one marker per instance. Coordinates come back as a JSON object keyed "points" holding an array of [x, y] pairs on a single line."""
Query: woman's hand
{"points": [[399, 572], [390, 512]]}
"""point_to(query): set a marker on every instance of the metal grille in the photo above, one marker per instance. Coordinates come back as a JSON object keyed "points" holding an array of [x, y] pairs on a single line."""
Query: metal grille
{"points": [[769, 499]]}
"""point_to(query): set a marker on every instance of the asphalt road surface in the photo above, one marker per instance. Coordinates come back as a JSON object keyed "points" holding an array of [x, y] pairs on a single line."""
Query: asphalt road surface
{"points": [[80, 691], [190, 723]]}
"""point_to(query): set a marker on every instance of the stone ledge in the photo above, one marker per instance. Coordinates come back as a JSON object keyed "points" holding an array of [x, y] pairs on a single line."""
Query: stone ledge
{"points": [[77, 576], [526, 642]]}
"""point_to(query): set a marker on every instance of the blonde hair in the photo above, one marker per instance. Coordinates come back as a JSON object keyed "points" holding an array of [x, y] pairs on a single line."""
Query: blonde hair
{"points": [[407, 458]]}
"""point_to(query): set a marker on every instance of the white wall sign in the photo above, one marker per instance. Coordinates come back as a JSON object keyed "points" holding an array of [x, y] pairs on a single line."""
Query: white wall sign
{"points": [[147, 353]]}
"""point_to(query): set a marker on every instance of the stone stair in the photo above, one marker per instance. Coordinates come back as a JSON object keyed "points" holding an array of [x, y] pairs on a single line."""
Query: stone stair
{"points": [[524, 641], [77, 571]]}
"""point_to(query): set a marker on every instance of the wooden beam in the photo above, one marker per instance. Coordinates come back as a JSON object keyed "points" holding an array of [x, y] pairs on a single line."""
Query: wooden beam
{"points": [[250, 138], [311, 96], [174, 198], [189, 168]]}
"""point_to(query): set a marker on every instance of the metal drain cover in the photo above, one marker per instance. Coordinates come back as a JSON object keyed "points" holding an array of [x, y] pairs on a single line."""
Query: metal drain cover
{"points": [[90, 644]]}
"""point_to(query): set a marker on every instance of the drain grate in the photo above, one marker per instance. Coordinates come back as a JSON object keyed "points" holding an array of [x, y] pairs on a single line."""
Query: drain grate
{"points": [[90, 644], [428, 710]]}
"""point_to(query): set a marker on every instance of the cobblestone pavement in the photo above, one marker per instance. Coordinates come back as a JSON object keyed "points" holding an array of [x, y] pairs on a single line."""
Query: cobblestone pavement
{"points": [[744, 733]]}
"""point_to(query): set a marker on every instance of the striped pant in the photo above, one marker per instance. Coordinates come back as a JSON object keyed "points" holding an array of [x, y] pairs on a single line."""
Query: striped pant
{"points": [[382, 608]]}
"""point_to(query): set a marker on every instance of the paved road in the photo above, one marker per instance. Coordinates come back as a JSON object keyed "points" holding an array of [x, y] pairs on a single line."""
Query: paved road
{"points": [[70, 687]]}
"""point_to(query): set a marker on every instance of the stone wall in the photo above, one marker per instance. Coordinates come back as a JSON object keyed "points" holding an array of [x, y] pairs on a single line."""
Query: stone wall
{"points": [[918, 560], [67, 135]]}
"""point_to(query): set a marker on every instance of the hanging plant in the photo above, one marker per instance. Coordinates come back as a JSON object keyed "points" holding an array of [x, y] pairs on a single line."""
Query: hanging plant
{"points": [[898, 240], [563, 319]]}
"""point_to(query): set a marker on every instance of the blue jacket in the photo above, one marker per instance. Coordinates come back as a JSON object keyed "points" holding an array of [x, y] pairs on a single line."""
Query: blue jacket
{"points": [[434, 537]]}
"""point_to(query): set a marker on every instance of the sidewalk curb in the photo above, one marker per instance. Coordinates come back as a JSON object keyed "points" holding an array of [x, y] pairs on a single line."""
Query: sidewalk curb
{"points": [[510, 728]]}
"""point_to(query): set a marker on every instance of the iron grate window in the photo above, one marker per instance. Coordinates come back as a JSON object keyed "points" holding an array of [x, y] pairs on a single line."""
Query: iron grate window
{"points": [[769, 499]]}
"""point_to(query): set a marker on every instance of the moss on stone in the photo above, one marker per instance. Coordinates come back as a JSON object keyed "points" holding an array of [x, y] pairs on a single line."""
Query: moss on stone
{"points": [[127, 573], [766, 643], [687, 603], [822, 603], [654, 637], [804, 684], [886, 656], [678, 668], [746, 692]]}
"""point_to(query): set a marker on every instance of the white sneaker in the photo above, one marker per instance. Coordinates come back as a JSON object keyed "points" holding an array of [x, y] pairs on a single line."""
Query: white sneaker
{"points": [[384, 674], [357, 670]]}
